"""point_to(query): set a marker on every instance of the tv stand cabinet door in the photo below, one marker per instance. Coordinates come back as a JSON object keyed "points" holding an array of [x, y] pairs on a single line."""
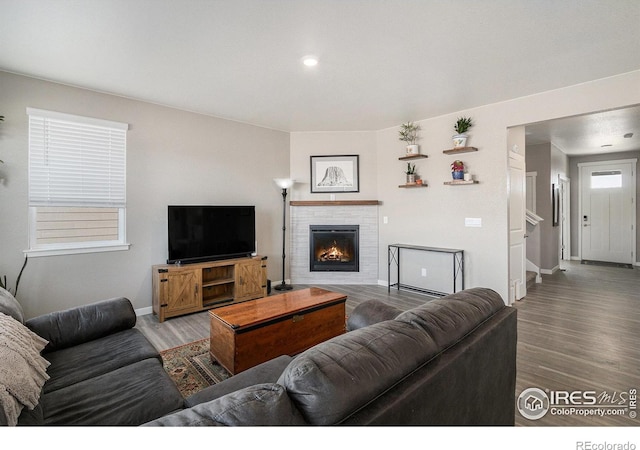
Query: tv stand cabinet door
{"points": [[249, 280], [180, 292]]}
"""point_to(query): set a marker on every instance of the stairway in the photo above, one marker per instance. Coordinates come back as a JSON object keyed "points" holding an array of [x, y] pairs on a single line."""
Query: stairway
{"points": [[531, 279]]}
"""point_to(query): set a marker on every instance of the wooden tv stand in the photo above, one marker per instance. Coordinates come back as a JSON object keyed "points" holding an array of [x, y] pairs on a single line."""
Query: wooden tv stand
{"points": [[184, 289]]}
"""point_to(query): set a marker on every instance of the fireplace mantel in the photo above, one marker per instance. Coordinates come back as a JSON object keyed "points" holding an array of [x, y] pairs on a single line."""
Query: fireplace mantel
{"points": [[333, 202]]}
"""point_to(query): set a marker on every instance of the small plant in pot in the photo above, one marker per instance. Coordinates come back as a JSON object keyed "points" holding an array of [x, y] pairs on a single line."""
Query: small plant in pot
{"points": [[457, 170], [461, 127], [409, 133], [411, 173]]}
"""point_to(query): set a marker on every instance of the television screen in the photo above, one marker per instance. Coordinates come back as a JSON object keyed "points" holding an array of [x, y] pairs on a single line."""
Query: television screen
{"points": [[201, 233]]}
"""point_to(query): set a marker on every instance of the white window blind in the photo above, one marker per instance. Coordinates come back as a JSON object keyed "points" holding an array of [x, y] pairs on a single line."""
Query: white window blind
{"points": [[76, 161], [77, 184]]}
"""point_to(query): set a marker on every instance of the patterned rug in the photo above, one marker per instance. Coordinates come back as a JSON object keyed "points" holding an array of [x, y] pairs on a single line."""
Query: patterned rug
{"points": [[190, 367]]}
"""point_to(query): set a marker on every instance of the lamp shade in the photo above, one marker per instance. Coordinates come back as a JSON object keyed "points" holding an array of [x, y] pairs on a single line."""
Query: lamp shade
{"points": [[284, 183]]}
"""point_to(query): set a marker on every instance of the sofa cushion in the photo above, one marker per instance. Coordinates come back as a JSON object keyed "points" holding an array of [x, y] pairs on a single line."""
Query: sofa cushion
{"points": [[264, 404], [330, 381], [83, 323], [130, 395], [74, 364], [370, 312], [267, 372], [10, 306], [449, 319]]}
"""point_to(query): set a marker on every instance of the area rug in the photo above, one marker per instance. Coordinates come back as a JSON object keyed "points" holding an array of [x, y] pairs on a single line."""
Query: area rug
{"points": [[191, 368]]}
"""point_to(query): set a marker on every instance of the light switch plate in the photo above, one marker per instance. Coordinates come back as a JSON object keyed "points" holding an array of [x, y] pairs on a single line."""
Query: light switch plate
{"points": [[472, 222]]}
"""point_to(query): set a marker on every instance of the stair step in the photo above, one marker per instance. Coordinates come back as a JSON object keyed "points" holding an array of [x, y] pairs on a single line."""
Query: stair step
{"points": [[531, 279]]}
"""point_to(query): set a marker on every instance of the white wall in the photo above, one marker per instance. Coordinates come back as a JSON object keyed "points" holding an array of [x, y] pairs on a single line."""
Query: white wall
{"points": [[179, 157], [304, 145], [173, 157], [434, 216]]}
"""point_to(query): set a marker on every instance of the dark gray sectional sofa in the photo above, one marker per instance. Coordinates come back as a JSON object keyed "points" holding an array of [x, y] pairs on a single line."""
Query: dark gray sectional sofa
{"points": [[451, 361], [103, 371]]}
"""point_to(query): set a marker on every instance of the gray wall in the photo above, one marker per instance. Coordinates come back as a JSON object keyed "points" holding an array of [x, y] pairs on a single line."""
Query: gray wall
{"points": [[549, 162], [575, 189], [173, 157]]}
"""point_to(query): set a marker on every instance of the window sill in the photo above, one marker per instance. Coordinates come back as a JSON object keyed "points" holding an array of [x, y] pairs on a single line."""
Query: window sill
{"points": [[40, 252]]}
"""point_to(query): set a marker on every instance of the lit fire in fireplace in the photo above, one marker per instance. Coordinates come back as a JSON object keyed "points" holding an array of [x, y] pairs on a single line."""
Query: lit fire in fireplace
{"points": [[333, 253]]}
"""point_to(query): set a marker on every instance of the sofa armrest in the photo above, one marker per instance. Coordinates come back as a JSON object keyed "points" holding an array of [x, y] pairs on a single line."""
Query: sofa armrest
{"points": [[84, 323], [370, 312]]}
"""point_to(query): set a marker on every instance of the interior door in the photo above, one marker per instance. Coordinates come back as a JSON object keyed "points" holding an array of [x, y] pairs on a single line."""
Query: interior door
{"points": [[517, 226], [608, 211], [565, 218]]}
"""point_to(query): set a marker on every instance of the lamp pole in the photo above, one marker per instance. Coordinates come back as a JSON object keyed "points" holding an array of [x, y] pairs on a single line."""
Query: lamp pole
{"points": [[284, 184]]}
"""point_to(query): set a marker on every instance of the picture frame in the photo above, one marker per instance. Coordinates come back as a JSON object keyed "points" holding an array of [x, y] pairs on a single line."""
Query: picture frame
{"points": [[335, 173]]}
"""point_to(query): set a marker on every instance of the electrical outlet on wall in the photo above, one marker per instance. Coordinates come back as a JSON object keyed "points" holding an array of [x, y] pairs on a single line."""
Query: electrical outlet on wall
{"points": [[424, 272]]}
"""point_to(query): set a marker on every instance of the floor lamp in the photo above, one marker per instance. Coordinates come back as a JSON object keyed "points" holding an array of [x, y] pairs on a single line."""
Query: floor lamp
{"points": [[284, 184]]}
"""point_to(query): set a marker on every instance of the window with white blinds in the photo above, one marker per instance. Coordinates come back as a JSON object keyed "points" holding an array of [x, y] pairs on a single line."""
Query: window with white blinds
{"points": [[77, 183]]}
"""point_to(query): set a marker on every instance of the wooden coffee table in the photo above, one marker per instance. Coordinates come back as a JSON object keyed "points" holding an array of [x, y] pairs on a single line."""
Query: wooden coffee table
{"points": [[246, 334]]}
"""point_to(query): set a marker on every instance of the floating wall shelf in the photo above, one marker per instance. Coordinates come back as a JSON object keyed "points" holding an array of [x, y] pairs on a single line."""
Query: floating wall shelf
{"points": [[453, 151], [457, 182], [404, 158], [414, 185]]}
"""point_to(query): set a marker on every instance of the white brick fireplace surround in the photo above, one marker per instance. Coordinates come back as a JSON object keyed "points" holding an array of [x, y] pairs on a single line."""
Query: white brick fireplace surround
{"points": [[353, 212]]}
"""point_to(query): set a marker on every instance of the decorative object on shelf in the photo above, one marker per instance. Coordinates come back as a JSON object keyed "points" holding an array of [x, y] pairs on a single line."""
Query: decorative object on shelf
{"points": [[335, 173], [284, 184], [461, 127], [411, 173], [457, 170], [468, 176], [409, 133]]}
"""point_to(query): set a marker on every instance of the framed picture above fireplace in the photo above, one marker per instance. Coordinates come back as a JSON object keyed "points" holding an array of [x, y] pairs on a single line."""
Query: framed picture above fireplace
{"points": [[335, 173]]}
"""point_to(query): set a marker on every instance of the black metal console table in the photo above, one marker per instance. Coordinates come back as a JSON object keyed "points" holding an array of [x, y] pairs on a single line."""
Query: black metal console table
{"points": [[457, 257]]}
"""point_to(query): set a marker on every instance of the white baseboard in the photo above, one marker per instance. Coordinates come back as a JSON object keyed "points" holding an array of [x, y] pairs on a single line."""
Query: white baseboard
{"points": [[549, 272], [144, 311]]}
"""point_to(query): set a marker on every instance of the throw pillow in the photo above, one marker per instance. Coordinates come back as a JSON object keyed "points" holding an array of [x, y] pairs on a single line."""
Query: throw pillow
{"points": [[9, 305], [22, 368]]}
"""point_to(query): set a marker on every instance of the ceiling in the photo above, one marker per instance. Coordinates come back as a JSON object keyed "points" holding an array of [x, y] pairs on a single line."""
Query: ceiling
{"points": [[381, 62], [590, 134]]}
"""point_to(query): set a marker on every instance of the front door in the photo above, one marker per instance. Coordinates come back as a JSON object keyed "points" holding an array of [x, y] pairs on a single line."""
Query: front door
{"points": [[608, 211]]}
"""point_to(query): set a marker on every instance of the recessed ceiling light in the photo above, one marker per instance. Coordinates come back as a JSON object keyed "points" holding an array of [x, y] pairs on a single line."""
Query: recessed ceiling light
{"points": [[310, 61]]}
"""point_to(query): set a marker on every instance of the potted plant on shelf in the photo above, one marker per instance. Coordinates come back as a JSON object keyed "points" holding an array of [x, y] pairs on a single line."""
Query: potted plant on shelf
{"points": [[409, 133], [461, 127], [411, 173], [457, 170]]}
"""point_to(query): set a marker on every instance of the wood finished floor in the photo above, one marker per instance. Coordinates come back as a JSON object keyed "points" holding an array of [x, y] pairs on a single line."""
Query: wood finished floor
{"points": [[577, 330]]}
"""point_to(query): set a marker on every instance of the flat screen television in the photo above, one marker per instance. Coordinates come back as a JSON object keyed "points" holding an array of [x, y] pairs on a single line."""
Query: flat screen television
{"points": [[204, 233]]}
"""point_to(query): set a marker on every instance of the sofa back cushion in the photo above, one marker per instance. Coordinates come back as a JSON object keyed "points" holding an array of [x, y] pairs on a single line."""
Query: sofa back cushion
{"points": [[449, 319], [257, 405], [335, 378], [83, 323], [10, 306]]}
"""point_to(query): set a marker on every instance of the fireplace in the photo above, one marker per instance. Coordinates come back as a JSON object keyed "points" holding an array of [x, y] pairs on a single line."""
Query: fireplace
{"points": [[333, 248]]}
